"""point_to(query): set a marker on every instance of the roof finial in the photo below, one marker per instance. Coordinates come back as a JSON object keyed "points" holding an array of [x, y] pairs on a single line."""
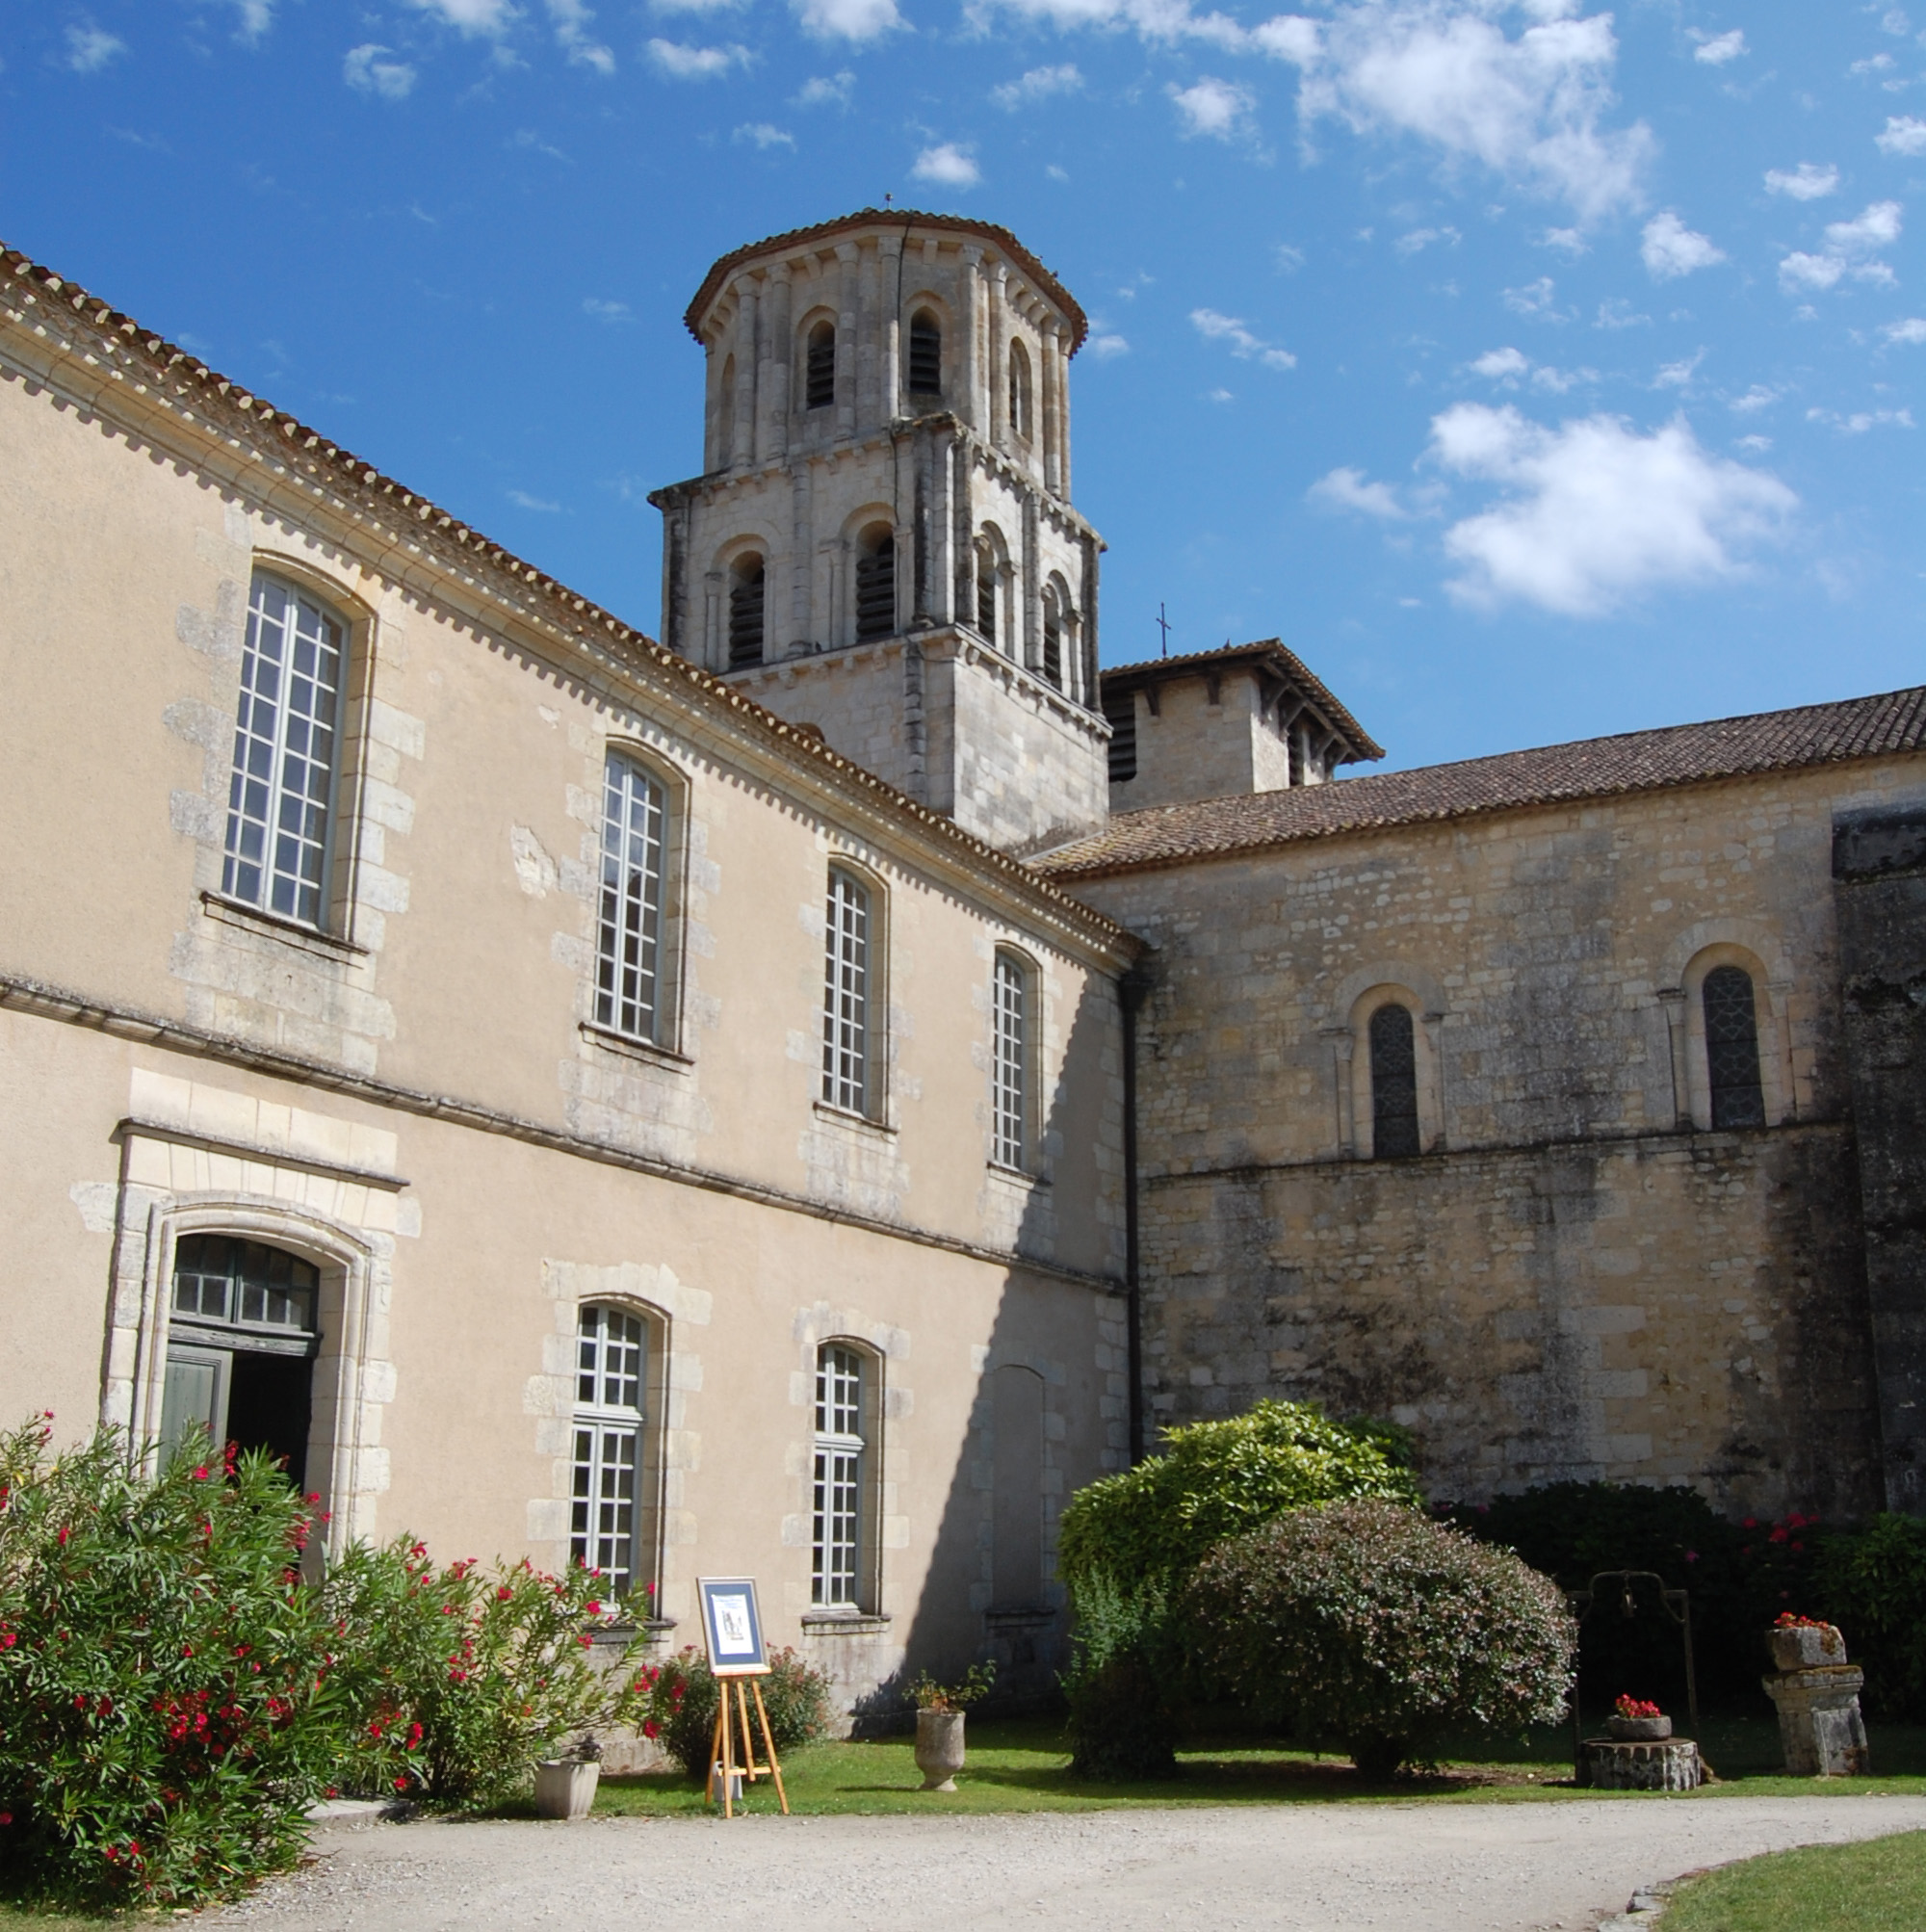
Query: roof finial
{"points": [[888, 198], [1163, 625]]}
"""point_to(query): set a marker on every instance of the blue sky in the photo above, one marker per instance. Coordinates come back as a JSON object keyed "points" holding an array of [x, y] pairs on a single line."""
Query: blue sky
{"points": [[1533, 370]]}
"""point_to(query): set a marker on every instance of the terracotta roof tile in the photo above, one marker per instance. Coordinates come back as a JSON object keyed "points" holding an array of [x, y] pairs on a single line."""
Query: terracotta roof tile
{"points": [[1593, 768]]}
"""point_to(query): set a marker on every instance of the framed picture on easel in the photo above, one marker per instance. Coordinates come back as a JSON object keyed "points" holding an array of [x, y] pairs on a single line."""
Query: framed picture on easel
{"points": [[733, 1627]]}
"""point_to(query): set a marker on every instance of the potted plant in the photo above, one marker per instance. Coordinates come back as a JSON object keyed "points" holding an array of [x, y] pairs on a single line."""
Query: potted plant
{"points": [[565, 1786], [1801, 1643], [1634, 1721], [939, 1723]]}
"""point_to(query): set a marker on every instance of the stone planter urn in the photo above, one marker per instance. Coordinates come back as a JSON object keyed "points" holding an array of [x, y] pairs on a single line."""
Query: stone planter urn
{"points": [[1803, 1646], [939, 1748], [1817, 1692], [565, 1786], [1639, 1730]]}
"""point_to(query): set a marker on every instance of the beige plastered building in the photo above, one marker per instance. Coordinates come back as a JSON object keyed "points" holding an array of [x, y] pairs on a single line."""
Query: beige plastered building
{"points": [[802, 1097]]}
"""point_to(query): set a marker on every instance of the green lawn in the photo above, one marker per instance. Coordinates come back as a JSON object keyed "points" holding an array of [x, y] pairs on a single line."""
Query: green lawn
{"points": [[1876, 1887], [1025, 1768]]}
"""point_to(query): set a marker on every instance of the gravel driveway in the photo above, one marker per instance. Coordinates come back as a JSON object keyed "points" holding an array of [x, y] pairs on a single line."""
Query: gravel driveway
{"points": [[1465, 1867]]}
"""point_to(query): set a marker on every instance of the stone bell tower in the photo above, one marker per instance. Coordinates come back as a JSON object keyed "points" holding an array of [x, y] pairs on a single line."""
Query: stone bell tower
{"points": [[881, 543]]}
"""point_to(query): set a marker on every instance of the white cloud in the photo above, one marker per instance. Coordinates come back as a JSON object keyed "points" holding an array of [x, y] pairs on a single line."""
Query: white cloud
{"points": [[367, 72], [1911, 330], [1805, 182], [89, 48], [572, 22], [1568, 241], [1878, 225], [1347, 489], [1288, 259], [1103, 345], [1678, 375], [1801, 270], [1616, 312], [1535, 299], [848, 19], [1220, 395], [1716, 49], [834, 90], [949, 164], [1857, 423], [1596, 512], [521, 500], [1904, 135], [1896, 23], [607, 311], [695, 5], [1754, 398], [471, 17], [1529, 108], [763, 134], [1880, 64], [1038, 83], [695, 63], [1230, 328], [1512, 366], [1503, 365], [1422, 238], [1759, 444], [1669, 249], [256, 17], [1219, 109]]}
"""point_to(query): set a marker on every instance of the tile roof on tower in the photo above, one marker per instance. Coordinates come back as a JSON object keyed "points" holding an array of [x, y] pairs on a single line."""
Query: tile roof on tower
{"points": [[1591, 768]]}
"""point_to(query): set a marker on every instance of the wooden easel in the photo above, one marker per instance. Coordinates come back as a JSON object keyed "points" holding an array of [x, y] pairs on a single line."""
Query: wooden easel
{"points": [[723, 1750]]}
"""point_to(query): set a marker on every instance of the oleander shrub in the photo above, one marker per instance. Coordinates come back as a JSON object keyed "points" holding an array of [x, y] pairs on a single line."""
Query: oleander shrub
{"points": [[167, 1707], [1218, 1479], [458, 1678], [1367, 1624], [682, 1705]]}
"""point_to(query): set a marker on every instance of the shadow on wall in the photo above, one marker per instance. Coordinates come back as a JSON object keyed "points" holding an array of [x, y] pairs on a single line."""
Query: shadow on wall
{"points": [[1047, 1415]]}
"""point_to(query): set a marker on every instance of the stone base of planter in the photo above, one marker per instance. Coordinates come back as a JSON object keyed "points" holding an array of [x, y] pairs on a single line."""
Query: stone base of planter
{"points": [[566, 1789], [1819, 1721], [939, 1748], [1671, 1765]]}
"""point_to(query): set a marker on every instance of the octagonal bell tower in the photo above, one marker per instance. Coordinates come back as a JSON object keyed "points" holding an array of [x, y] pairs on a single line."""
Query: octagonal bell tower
{"points": [[881, 543]]}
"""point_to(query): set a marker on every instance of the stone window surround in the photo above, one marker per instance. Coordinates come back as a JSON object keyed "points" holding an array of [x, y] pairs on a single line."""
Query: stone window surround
{"points": [[1032, 1166], [352, 1382], [1727, 942], [651, 1458], [1357, 999], [879, 1037]]}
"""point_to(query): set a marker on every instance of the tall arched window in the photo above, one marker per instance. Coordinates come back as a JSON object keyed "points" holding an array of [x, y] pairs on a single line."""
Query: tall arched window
{"points": [[1393, 1083], [1019, 390], [746, 605], [841, 1478], [986, 592], [611, 1358], [820, 367], [242, 1337], [725, 416], [1010, 1061], [1052, 635], [926, 354], [1732, 1048], [281, 798], [876, 583], [628, 946], [846, 995]]}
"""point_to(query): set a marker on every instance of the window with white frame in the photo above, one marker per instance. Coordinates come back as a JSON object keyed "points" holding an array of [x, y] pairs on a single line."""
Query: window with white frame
{"points": [[836, 1563], [287, 742], [611, 1355], [629, 943], [1010, 1049], [846, 995]]}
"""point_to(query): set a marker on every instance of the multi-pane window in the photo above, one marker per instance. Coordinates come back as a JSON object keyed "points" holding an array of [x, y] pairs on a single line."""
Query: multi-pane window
{"points": [[1010, 1056], [281, 798], [628, 951], [837, 1539], [612, 1349], [1393, 1083], [1732, 1048], [846, 996], [926, 354]]}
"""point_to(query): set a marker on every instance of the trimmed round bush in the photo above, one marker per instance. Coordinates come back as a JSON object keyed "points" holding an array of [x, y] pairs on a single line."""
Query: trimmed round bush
{"points": [[1222, 1479], [1367, 1623]]}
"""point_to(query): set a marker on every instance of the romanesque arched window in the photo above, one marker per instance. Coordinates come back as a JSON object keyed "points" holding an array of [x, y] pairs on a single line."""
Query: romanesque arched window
{"points": [[1019, 390], [820, 367], [1732, 1048], [986, 592], [876, 583], [1393, 1083], [1052, 635], [926, 354], [747, 600], [725, 416]]}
